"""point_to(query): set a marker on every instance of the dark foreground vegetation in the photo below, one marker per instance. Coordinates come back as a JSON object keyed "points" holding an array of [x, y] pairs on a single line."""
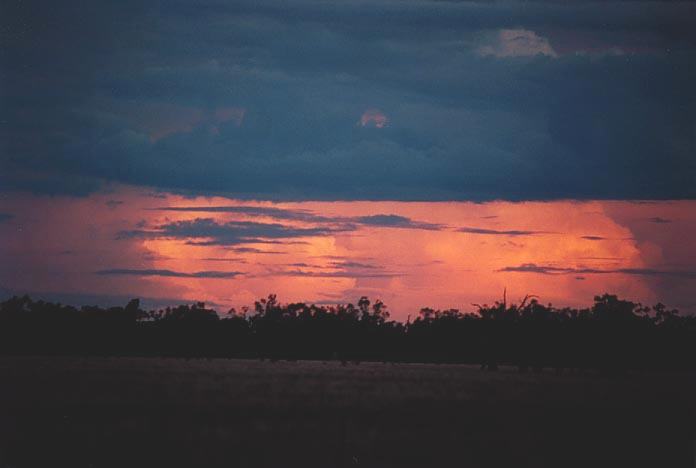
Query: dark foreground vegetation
{"points": [[74, 393], [613, 335], [116, 412]]}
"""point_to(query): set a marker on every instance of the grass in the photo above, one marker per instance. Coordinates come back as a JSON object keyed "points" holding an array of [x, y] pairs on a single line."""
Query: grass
{"points": [[113, 412]]}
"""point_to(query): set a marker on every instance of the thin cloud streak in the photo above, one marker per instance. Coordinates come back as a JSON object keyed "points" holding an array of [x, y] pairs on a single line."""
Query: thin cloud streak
{"points": [[552, 270], [494, 232], [336, 274], [252, 250], [271, 212], [378, 220], [395, 221], [659, 220], [227, 233], [230, 260], [170, 273]]}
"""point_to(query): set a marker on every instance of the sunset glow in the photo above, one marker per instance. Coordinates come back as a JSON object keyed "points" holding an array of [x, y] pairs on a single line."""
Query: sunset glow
{"points": [[167, 248], [426, 153]]}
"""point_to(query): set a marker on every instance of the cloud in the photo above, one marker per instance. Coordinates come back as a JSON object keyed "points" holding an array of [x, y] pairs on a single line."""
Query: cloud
{"points": [[548, 270], [394, 221], [684, 274], [659, 220], [253, 250], [337, 268], [336, 274], [373, 117], [112, 204], [5, 217], [259, 99], [170, 273], [304, 265], [354, 265], [379, 220], [222, 259], [494, 232], [516, 43], [271, 212], [552, 270], [227, 233]]}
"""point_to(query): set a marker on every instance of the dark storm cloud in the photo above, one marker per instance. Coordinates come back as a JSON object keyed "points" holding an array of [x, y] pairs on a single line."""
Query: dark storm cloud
{"points": [[227, 233], [263, 99], [552, 270], [170, 273]]}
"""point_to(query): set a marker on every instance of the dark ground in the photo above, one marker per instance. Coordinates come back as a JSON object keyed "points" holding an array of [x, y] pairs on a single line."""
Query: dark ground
{"points": [[127, 412]]}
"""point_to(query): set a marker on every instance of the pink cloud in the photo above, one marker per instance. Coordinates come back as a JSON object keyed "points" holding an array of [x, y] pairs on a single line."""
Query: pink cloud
{"points": [[374, 117], [517, 43]]}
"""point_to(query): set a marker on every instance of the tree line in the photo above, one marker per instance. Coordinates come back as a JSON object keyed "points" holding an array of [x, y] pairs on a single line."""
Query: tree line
{"points": [[611, 335]]}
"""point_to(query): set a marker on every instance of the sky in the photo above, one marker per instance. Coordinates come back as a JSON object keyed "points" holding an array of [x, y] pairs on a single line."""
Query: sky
{"points": [[424, 152]]}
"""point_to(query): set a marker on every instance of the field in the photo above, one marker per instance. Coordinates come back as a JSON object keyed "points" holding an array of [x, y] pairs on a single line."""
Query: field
{"points": [[118, 412]]}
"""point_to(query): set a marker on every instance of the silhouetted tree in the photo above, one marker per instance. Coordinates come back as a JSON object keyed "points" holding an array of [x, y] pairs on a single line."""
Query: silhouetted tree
{"points": [[611, 336]]}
